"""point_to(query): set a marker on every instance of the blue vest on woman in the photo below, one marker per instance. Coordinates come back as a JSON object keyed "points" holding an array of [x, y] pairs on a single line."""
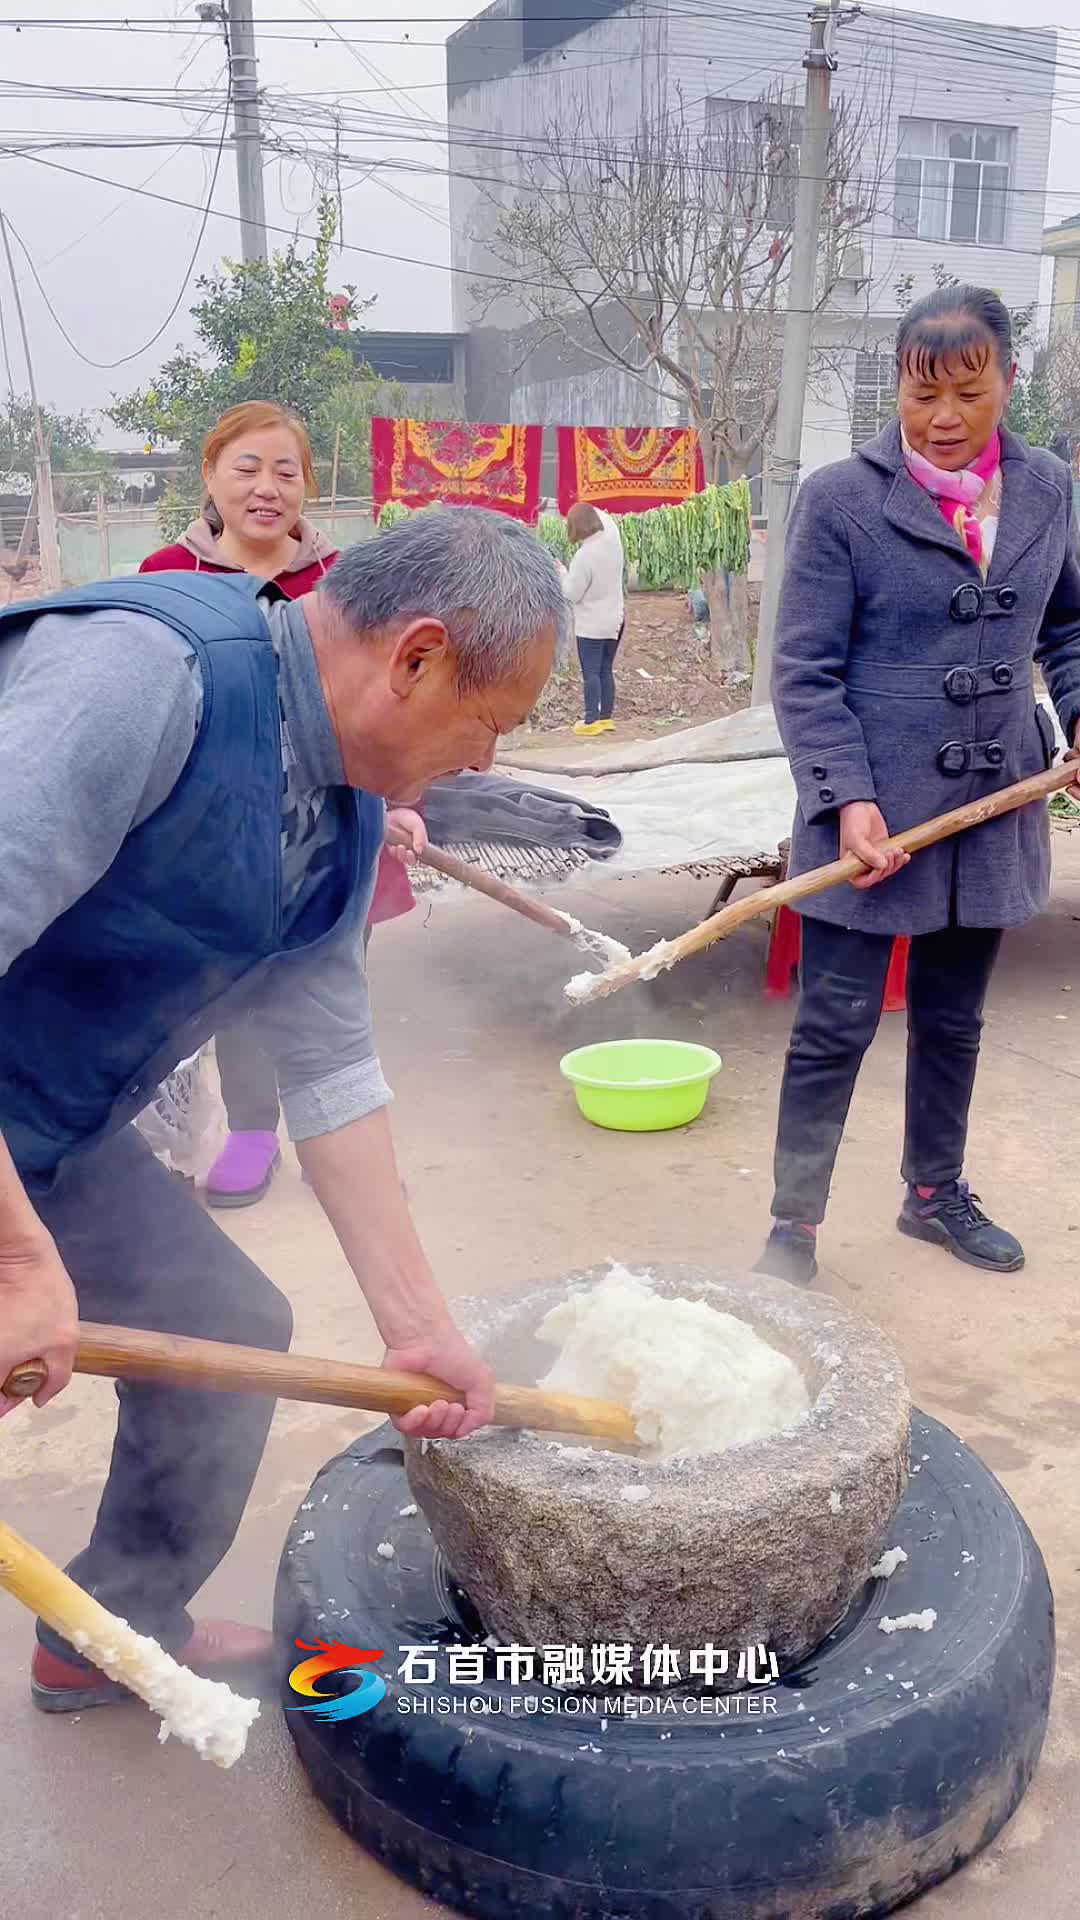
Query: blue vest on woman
{"points": [[139, 972]]}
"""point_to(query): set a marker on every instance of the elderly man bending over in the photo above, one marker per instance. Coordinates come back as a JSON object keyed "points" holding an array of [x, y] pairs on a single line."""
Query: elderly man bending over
{"points": [[193, 772]]}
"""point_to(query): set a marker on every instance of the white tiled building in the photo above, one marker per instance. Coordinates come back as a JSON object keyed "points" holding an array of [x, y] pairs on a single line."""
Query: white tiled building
{"points": [[961, 144]]}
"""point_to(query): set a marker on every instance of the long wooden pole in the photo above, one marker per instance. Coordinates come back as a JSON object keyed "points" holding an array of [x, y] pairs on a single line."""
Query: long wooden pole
{"points": [[128, 1353], [668, 953], [481, 882]]}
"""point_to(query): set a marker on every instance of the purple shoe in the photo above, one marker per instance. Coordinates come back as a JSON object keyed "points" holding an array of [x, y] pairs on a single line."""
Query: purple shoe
{"points": [[243, 1170]]}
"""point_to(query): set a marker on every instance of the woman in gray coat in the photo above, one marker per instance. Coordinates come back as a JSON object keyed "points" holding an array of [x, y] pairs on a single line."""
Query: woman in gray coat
{"points": [[924, 577]]}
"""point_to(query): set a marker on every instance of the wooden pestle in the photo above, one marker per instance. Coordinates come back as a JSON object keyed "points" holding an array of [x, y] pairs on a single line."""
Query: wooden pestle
{"points": [[480, 882], [644, 966], [127, 1353]]}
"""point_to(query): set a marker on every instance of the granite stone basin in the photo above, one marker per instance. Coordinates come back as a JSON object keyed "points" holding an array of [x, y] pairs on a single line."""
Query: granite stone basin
{"points": [[764, 1544]]}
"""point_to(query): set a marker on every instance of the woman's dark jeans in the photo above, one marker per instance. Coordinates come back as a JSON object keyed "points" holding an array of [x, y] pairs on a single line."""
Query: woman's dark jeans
{"points": [[597, 659], [248, 1077], [843, 983]]}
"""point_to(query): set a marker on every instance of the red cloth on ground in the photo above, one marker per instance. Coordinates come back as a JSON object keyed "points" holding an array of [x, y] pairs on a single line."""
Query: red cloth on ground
{"points": [[393, 895], [482, 464], [785, 949], [627, 469]]}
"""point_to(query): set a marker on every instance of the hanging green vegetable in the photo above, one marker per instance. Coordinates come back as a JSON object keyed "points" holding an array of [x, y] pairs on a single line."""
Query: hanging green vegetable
{"points": [[551, 533], [390, 513], [674, 546], [666, 548]]}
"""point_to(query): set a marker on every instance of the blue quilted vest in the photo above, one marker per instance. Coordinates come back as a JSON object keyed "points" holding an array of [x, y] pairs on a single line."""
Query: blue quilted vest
{"points": [[140, 971]]}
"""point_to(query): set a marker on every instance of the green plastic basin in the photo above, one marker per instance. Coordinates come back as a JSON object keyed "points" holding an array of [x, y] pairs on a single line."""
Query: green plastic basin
{"points": [[641, 1086]]}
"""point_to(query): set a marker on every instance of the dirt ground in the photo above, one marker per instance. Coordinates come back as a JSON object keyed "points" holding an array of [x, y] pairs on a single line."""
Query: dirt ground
{"points": [[99, 1822], [662, 676]]}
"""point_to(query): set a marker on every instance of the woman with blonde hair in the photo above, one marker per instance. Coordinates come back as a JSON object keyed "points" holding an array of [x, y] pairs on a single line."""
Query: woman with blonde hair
{"points": [[257, 472]]}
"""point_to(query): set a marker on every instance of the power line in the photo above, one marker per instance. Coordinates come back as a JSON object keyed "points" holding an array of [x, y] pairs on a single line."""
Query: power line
{"points": [[469, 19], [108, 366], [903, 25], [7, 355], [295, 106], [399, 259]]}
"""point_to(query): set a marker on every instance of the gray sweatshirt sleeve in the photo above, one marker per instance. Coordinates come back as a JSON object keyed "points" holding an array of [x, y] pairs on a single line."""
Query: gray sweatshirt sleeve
{"points": [[315, 1020], [95, 730]]}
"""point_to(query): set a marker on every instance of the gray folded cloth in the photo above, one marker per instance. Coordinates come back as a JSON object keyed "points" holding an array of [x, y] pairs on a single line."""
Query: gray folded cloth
{"points": [[489, 806]]}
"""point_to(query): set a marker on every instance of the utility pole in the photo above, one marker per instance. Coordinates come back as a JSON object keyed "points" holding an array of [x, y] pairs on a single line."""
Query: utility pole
{"points": [[48, 539], [235, 16], [782, 479]]}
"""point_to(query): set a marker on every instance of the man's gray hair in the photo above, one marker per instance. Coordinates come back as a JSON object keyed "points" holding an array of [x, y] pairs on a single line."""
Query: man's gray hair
{"points": [[485, 576]]}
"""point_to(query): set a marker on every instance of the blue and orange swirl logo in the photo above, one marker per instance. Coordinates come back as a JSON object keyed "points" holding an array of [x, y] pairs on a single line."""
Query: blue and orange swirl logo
{"points": [[332, 1657]]}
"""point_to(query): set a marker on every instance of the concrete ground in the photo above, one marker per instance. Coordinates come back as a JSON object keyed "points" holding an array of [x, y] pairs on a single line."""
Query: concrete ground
{"points": [[98, 1820]]}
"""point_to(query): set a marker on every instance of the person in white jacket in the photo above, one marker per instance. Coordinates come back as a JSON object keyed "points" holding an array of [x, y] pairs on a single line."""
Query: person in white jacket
{"points": [[594, 588]]}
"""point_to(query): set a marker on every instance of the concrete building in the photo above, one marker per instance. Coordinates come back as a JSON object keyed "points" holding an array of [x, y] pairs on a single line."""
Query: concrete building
{"points": [[1063, 244], [959, 141], [429, 366]]}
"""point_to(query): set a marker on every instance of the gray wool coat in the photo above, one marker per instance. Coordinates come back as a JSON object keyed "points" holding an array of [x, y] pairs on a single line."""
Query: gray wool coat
{"points": [[900, 678]]}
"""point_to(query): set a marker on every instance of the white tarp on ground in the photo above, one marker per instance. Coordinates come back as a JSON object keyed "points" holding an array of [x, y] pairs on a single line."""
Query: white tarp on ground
{"points": [[747, 735], [673, 816]]}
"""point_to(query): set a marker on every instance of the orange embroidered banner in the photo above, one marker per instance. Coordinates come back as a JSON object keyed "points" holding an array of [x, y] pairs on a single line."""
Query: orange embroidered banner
{"points": [[462, 464], [628, 469]]}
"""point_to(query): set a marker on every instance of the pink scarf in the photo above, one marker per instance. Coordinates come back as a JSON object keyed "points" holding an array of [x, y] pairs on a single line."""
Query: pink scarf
{"points": [[969, 500]]}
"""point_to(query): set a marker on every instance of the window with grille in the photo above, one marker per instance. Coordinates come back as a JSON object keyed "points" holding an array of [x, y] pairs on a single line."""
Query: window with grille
{"points": [[952, 181], [873, 400], [758, 142]]}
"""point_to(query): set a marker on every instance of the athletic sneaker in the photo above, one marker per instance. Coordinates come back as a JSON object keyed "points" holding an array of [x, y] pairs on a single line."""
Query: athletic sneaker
{"points": [[790, 1254], [951, 1217]]}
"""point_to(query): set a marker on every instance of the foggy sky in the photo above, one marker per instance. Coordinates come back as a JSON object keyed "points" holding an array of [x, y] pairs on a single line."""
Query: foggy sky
{"points": [[113, 287]]}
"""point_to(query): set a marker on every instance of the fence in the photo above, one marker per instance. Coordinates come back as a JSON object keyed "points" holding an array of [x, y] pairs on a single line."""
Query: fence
{"points": [[109, 541]]}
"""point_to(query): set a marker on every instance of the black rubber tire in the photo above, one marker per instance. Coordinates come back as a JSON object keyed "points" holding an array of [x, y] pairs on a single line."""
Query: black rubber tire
{"points": [[862, 1790]]}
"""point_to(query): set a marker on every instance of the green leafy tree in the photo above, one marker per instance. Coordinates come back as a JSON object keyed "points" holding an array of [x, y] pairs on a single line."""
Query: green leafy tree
{"points": [[348, 409], [70, 438], [263, 332]]}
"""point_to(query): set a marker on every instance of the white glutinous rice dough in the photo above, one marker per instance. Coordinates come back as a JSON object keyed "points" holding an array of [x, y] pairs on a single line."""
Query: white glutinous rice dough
{"points": [[921, 1622], [696, 1380], [600, 945], [884, 1568], [204, 1714]]}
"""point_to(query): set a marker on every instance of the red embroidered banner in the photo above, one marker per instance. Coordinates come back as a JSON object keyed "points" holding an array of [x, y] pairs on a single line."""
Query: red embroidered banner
{"points": [[461, 464], [628, 469]]}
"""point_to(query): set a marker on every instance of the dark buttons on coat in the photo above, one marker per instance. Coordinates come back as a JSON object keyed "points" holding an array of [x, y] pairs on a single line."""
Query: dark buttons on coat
{"points": [[994, 753], [961, 684], [966, 603], [1006, 598], [826, 794], [819, 772], [1002, 674], [953, 758]]}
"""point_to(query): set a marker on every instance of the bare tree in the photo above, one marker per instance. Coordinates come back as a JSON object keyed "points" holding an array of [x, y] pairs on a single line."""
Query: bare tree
{"points": [[666, 255]]}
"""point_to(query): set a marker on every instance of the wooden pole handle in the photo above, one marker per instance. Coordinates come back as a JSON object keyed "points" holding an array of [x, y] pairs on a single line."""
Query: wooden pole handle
{"points": [[137, 1662], [128, 1353], [787, 892], [486, 883]]}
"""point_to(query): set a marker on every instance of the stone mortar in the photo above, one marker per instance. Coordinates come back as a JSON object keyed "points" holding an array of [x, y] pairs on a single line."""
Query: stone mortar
{"points": [[763, 1544]]}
